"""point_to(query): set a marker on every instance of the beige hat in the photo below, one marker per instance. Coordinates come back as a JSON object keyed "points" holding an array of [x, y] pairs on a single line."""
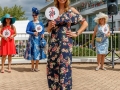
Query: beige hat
{"points": [[101, 15]]}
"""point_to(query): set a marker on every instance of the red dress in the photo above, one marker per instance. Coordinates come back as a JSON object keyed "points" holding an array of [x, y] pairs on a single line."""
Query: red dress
{"points": [[8, 47]]}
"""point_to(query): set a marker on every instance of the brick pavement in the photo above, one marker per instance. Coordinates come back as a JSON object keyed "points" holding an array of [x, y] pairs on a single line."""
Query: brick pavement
{"points": [[84, 78]]}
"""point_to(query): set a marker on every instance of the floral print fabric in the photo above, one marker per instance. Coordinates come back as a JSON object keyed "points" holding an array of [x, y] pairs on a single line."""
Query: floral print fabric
{"points": [[59, 73], [102, 47]]}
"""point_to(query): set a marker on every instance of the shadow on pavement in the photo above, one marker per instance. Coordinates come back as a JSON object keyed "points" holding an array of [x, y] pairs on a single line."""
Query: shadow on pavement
{"points": [[21, 69], [93, 68]]}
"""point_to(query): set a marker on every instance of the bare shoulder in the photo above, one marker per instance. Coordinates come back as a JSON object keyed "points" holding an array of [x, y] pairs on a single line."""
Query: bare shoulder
{"points": [[1, 26], [74, 10], [13, 26], [96, 27]]}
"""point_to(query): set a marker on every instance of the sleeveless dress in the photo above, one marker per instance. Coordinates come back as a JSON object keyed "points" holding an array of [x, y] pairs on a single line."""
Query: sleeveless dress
{"points": [[8, 47], [59, 73], [33, 50], [101, 47]]}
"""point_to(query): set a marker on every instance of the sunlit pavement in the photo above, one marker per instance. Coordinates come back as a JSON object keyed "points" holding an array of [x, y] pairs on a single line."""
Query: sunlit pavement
{"points": [[84, 77]]}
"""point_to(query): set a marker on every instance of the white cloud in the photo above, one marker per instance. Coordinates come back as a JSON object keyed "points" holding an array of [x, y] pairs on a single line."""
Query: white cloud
{"points": [[26, 4]]}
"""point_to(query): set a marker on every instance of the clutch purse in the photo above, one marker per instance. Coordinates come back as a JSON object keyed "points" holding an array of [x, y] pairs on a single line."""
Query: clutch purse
{"points": [[43, 43], [98, 39]]}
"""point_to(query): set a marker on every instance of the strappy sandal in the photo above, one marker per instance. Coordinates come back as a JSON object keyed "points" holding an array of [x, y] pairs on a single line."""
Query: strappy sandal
{"points": [[36, 70], [104, 69], [2, 71], [97, 68], [32, 69], [9, 71]]}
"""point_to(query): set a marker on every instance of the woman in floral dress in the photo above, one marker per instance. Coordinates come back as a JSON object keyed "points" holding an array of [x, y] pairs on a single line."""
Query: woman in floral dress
{"points": [[59, 73]]}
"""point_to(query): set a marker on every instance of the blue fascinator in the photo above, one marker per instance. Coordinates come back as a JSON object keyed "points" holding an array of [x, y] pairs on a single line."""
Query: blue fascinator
{"points": [[35, 11]]}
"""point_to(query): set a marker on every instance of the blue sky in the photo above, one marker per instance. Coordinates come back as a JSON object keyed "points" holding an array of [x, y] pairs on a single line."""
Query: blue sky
{"points": [[26, 4]]}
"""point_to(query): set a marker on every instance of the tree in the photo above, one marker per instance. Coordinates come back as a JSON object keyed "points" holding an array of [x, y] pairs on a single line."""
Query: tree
{"points": [[15, 11]]}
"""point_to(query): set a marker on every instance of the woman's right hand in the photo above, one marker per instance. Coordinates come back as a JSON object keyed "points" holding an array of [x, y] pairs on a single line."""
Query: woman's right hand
{"points": [[92, 45], [36, 33], [51, 24], [5, 38]]}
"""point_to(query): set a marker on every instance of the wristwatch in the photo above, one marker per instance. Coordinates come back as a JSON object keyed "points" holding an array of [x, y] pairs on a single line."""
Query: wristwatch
{"points": [[76, 33]]}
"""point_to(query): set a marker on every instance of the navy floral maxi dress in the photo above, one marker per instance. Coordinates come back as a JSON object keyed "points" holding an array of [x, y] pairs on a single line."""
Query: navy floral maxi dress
{"points": [[60, 52]]}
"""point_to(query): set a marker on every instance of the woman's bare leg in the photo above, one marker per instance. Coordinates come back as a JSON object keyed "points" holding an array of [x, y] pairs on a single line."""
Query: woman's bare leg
{"points": [[98, 61], [102, 61], [9, 62], [36, 65], [3, 62], [32, 65]]}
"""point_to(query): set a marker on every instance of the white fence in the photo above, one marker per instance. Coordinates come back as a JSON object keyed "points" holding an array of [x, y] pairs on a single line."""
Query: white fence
{"points": [[81, 45]]}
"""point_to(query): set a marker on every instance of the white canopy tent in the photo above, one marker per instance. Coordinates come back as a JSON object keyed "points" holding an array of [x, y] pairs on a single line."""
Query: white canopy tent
{"points": [[21, 29], [21, 26]]}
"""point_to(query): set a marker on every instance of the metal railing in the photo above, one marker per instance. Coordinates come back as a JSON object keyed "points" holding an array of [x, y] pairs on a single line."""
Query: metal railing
{"points": [[81, 44]]}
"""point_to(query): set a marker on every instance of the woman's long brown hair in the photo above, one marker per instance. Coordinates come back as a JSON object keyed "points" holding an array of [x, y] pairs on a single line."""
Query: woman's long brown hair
{"points": [[4, 23], [56, 3]]}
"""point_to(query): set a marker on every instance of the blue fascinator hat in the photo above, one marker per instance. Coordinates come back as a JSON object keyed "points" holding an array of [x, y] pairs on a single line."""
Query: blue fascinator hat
{"points": [[35, 11]]}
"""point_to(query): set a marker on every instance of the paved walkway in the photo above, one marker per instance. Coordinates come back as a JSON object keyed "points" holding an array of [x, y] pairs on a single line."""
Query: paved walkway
{"points": [[84, 78]]}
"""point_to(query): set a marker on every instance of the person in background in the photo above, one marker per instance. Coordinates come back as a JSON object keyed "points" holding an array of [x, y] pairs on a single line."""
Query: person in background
{"points": [[0, 47], [59, 71], [7, 34], [102, 32], [35, 29]]}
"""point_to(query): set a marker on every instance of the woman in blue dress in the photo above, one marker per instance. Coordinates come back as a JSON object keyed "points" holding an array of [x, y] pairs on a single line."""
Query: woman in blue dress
{"points": [[59, 73], [36, 31], [102, 32]]}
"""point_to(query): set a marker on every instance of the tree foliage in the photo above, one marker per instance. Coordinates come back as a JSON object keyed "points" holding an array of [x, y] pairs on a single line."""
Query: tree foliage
{"points": [[15, 11]]}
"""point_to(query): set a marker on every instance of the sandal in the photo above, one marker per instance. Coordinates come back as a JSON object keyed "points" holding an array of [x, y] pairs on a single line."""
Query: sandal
{"points": [[9, 71], [104, 68], [36, 70], [32, 69], [97, 68], [2, 71]]}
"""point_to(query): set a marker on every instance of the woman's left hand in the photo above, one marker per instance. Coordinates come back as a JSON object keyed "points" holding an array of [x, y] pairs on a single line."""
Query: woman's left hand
{"points": [[11, 37], [107, 35], [42, 36], [71, 34]]}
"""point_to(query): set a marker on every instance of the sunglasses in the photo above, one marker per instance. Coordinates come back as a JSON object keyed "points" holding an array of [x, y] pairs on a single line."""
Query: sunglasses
{"points": [[101, 18], [8, 18], [34, 15]]}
